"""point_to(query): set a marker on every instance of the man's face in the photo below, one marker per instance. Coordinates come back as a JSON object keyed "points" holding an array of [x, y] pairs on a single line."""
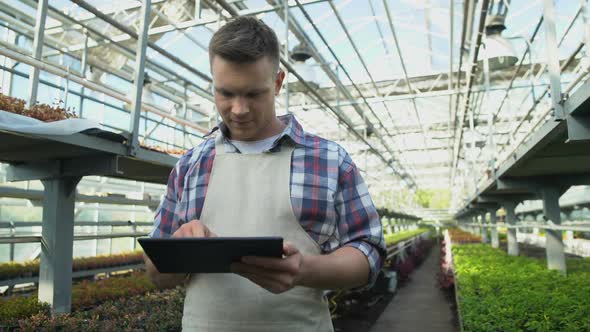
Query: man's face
{"points": [[245, 96]]}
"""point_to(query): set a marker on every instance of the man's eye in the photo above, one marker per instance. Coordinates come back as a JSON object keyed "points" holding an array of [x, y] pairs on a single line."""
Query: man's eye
{"points": [[227, 94], [252, 95]]}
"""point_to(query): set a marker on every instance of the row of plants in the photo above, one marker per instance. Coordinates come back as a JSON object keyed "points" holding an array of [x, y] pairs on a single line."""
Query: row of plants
{"points": [[387, 213], [347, 307], [157, 148], [55, 112], [159, 310], [394, 238], [498, 292], [446, 276], [459, 236], [405, 263], [13, 270], [38, 111], [133, 303], [85, 295]]}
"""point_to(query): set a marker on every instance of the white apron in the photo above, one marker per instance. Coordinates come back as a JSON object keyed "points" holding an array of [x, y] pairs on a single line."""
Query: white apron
{"points": [[249, 195]]}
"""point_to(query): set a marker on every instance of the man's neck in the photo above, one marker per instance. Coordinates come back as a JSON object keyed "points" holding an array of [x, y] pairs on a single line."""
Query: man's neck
{"points": [[275, 128]]}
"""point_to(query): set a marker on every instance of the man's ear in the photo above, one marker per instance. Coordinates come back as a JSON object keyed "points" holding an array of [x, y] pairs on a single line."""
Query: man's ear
{"points": [[279, 82]]}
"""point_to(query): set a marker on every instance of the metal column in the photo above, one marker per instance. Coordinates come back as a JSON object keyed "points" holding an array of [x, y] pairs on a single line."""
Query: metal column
{"points": [[511, 219], [553, 59], [55, 273], [484, 230], [493, 220], [37, 50], [138, 76], [554, 244], [287, 57], [83, 68], [6, 77]]}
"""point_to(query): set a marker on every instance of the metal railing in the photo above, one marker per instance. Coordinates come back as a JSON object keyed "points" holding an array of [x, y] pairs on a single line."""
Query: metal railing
{"points": [[577, 227]]}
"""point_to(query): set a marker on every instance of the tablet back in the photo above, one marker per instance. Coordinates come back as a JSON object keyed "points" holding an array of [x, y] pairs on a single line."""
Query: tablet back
{"points": [[207, 255]]}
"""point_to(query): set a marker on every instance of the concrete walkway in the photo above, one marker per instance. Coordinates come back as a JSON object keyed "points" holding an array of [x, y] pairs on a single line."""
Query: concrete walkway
{"points": [[419, 306]]}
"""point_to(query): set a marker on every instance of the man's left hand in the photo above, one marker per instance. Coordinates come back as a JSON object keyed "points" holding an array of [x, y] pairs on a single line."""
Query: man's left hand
{"points": [[277, 275]]}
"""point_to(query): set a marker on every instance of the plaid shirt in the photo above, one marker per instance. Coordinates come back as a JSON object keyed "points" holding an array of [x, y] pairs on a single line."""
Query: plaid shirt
{"points": [[328, 194]]}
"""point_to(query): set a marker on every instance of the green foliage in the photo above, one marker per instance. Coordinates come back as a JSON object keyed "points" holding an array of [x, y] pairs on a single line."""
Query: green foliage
{"points": [[498, 292], [13, 270], [434, 198], [13, 309], [154, 311], [398, 237], [89, 293], [85, 295]]}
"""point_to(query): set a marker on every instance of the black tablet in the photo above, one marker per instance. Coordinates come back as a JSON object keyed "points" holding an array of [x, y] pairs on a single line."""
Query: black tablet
{"points": [[207, 255]]}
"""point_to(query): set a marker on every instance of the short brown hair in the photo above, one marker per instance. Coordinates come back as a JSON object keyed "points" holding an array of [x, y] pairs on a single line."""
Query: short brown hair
{"points": [[243, 40]]}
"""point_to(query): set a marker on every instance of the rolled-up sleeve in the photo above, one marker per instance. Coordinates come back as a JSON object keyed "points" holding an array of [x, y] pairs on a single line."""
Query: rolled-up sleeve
{"points": [[359, 225], [170, 213], [166, 219]]}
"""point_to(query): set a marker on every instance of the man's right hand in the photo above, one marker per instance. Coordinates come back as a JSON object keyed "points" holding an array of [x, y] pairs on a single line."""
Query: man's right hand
{"points": [[193, 228]]}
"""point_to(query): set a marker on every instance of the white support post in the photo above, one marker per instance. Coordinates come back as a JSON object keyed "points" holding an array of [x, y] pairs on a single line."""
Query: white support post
{"points": [[554, 240], [484, 230], [133, 143], [553, 59], [511, 219], [493, 220], [55, 271], [37, 51]]}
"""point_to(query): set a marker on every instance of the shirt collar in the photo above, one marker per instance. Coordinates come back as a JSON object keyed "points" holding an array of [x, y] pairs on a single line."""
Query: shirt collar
{"points": [[293, 131]]}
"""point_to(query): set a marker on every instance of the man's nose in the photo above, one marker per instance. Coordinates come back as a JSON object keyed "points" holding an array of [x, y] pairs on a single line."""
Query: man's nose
{"points": [[240, 106]]}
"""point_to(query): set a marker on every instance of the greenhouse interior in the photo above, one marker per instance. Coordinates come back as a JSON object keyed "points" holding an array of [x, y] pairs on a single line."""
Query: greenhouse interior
{"points": [[438, 155]]}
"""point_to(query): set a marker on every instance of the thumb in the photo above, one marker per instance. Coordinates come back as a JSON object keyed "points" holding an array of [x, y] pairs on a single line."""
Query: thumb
{"points": [[289, 249]]}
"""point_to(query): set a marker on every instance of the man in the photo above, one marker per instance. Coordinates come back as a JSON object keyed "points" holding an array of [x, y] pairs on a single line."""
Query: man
{"points": [[264, 176]]}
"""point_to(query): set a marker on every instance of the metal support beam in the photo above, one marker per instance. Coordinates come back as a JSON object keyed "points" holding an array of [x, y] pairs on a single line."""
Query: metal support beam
{"points": [[287, 57], [554, 244], [404, 70], [493, 220], [576, 112], [533, 184], [83, 68], [298, 31], [450, 76], [55, 272], [139, 75], [510, 206], [474, 51], [7, 76], [37, 51], [578, 127], [484, 230], [134, 35], [553, 59], [107, 165]]}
